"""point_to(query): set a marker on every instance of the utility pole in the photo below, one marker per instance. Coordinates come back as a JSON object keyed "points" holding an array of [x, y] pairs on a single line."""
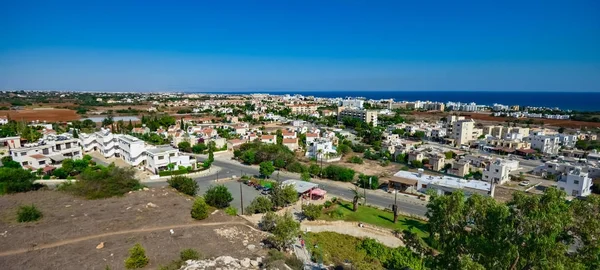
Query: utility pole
{"points": [[395, 206], [241, 199], [217, 180]]}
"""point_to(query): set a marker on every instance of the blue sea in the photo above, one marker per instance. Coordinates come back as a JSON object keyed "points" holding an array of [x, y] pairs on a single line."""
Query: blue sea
{"points": [[579, 101]]}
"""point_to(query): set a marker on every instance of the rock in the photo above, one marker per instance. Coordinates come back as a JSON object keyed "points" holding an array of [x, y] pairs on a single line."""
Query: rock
{"points": [[151, 205], [259, 259], [251, 247], [100, 246], [245, 242], [245, 263], [68, 205], [145, 189], [254, 263]]}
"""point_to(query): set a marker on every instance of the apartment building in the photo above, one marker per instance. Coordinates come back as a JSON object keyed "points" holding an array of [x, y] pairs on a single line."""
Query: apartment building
{"points": [[51, 150], [464, 132], [353, 103], [291, 143], [499, 171], [575, 183], [102, 141], [437, 161], [495, 131], [551, 144], [132, 150], [303, 108], [367, 116], [321, 148]]}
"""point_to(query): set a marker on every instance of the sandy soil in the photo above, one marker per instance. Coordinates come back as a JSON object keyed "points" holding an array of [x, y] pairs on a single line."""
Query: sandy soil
{"points": [[67, 236], [49, 115]]}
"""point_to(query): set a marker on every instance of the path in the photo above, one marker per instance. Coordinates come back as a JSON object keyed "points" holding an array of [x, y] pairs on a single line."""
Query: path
{"points": [[143, 230]]}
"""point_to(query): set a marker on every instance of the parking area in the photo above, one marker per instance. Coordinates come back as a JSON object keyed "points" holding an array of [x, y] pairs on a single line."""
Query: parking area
{"points": [[249, 193]]}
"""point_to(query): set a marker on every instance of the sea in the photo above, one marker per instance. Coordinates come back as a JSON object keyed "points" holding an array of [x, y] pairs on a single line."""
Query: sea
{"points": [[577, 101]]}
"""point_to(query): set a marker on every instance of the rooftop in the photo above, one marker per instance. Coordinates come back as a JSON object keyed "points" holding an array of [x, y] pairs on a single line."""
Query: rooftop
{"points": [[300, 186], [447, 181], [161, 149], [130, 139]]}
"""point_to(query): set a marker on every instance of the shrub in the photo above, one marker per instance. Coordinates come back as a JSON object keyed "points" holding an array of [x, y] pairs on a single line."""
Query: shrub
{"points": [[232, 211], [189, 254], [363, 181], [339, 173], [314, 169], [260, 204], [312, 211], [174, 172], [199, 209], [218, 196], [137, 257], [267, 223], [337, 213], [356, 160], [184, 185], [296, 167], [28, 213], [15, 180], [327, 204], [103, 182]]}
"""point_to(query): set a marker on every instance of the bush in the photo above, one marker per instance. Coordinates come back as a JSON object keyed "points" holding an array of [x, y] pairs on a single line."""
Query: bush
{"points": [[356, 160], [218, 196], [339, 173], [267, 223], [28, 213], [189, 254], [13, 180], [137, 257], [199, 209], [103, 182], [312, 211], [327, 204], [296, 167], [283, 195], [260, 204], [184, 185], [363, 181], [174, 172], [314, 169], [232, 211], [337, 214]]}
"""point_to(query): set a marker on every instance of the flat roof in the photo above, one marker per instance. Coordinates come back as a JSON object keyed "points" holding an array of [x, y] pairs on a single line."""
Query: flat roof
{"points": [[300, 186], [159, 150], [446, 181], [129, 138]]}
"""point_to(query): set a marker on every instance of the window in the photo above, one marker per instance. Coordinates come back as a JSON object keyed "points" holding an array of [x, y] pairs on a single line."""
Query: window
{"points": [[172, 154], [42, 162], [25, 163], [576, 182], [575, 193], [161, 157], [496, 170], [562, 188], [23, 153]]}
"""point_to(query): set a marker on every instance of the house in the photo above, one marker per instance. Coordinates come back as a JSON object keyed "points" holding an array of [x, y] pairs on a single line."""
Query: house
{"points": [[232, 144], [208, 133], [269, 139], [132, 150], [50, 150], [289, 134], [415, 155], [141, 130], [460, 168], [321, 148], [158, 159], [575, 183], [437, 161], [240, 129], [439, 184], [102, 141], [499, 171], [311, 137], [219, 142], [291, 143]]}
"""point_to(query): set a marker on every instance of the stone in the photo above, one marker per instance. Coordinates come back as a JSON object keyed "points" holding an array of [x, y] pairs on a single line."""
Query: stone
{"points": [[68, 205], [251, 247], [151, 205], [145, 189], [245, 263], [100, 246], [259, 259], [254, 263], [245, 242]]}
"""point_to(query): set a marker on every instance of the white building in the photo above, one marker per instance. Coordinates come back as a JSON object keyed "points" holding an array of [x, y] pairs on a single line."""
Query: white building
{"points": [[547, 144], [464, 131], [159, 158], [3, 120], [352, 103], [499, 171], [131, 149], [441, 184], [51, 150], [575, 183], [102, 141], [321, 148]]}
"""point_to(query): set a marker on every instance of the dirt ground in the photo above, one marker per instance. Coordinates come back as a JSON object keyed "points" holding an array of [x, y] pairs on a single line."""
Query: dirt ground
{"points": [[48, 115], [68, 234], [369, 167]]}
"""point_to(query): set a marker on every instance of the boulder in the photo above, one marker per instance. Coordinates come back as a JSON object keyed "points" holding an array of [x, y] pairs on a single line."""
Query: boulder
{"points": [[100, 246]]}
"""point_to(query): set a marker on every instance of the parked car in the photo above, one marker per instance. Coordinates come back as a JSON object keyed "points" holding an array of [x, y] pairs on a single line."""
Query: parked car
{"points": [[524, 183], [258, 187], [266, 191]]}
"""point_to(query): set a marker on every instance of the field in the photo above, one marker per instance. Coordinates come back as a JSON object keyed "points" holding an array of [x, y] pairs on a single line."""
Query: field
{"points": [[71, 229], [48, 115]]}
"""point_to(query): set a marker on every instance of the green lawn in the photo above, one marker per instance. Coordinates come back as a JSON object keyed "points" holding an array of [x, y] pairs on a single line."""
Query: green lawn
{"points": [[376, 217]]}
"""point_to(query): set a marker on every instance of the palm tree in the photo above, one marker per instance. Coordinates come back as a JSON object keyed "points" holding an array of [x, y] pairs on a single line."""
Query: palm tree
{"points": [[356, 198], [320, 153]]}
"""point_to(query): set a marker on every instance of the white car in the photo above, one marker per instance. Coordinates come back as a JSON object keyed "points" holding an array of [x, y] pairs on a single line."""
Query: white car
{"points": [[524, 183]]}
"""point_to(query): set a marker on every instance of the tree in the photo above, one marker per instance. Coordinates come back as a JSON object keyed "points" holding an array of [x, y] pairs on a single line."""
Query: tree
{"points": [[184, 184], [279, 163], [68, 165], [260, 204], [199, 209], [218, 196], [185, 146], [60, 173], [283, 195], [314, 169], [13, 180], [355, 198], [266, 168], [107, 121], [305, 176], [356, 160], [561, 130], [416, 164], [343, 149], [586, 229], [268, 221], [368, 181], [75, 134], [279, 135], [137, 258], [198, 148], [312, 211], [285, 231], [8, 162]]}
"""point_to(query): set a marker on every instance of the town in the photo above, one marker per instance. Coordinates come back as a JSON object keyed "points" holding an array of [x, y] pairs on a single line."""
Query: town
{"points": [[372, 169]]}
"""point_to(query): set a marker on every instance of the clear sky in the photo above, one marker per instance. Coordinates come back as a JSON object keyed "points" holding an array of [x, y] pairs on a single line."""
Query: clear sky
{"points": [[524, 45]]}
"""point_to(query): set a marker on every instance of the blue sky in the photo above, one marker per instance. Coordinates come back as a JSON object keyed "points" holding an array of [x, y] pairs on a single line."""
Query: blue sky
{"points": [[300, 45]]}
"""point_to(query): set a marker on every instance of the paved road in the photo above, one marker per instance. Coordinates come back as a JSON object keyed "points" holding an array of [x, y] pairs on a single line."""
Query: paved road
{"points": [[233, 168]]}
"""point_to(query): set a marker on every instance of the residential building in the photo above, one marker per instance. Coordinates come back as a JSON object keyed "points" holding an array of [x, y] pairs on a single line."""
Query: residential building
{"points": [[575, 183], [288, 134], [132, 150], [460, 168], [159, 158], [352, 103], [439, 184], [499, 171], [547, 144], [437, 161], [51, 150], [367, 116], [269, 139], [3, 120], [303, 108], [415, 156], [102, 141], [464, 132], [291, 143], [311, 137], [321, 148]]}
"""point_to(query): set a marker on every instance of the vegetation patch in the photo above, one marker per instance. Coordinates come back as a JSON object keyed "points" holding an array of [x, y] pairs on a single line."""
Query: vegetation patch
{"points": [[28, 213], [99, 182]]}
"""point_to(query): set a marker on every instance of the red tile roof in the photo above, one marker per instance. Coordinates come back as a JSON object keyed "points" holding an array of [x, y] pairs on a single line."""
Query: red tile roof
{"points": [[38, 156]]}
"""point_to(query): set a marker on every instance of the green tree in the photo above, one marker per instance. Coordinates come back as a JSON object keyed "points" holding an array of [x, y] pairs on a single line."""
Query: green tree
{"points": [[260, 204], [356, 197], [60, 173], [137, 258], [305, 176], [279, 135], [266, 168], [285, 231], [199, 148], [279, 163], [199, 209], [185, 146], [364, 180], [268, 221], [75, 134], [13, 180], [586, 229], [312, 211], [8, 162], [283, 195], [218, 196], [416, 164]]}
